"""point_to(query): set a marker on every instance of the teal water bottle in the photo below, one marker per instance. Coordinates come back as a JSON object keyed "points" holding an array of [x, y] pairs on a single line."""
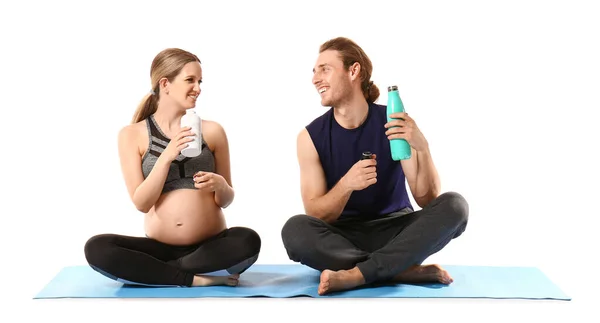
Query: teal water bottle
{"points": [[399, 147]]}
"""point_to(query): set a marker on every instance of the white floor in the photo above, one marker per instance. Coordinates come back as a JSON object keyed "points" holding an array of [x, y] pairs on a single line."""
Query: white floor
{"points": [[307, 310]]}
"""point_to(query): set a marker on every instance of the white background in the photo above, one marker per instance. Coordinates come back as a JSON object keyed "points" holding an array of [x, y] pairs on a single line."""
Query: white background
{"points": [[505, 92]]}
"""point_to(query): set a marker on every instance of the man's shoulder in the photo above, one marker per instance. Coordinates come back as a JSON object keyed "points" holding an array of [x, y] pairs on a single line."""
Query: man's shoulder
{"points": [[381, 108], [320, 121]]}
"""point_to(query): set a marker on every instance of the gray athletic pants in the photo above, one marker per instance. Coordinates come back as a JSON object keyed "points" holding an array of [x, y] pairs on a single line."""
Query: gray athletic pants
{"points": [[380, 246]]}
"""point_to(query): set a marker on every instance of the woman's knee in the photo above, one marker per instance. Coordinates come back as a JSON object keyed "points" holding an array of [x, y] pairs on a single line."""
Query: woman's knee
{"points": [[249, 239], [96, 249]]}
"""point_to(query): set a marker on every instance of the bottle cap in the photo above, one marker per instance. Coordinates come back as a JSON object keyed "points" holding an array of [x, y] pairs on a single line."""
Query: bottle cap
{"points": [[392, 88], [367, 155]]}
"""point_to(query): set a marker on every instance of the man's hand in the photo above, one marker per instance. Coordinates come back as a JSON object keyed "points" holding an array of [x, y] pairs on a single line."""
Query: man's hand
{"points": [[362, 175], [404, 127], [210, 182]]}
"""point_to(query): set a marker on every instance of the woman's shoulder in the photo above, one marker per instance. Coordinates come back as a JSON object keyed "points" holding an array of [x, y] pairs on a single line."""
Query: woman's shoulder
{"points": [[133, 130], [212, 127], [133, 134], [213, 134]]}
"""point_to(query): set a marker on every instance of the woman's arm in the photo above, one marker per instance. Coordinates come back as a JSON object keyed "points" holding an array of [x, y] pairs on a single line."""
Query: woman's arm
{"points": [[145, 192], [224, 194]]}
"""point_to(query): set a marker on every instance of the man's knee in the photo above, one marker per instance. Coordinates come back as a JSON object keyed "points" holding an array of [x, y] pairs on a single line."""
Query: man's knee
{"points": [[456, 208], [292, 232], [296, 236]]}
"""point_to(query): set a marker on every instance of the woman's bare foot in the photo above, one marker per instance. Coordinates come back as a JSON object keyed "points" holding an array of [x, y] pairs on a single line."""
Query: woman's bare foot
{"points": [[424, 274], [332, 281], [202, 280]]}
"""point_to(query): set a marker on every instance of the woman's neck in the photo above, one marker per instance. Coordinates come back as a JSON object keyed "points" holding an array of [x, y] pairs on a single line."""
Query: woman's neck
{"points": [[168, 117]]}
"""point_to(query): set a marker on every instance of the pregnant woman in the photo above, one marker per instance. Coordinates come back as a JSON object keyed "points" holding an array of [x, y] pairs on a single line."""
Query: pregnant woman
{"points": [[187, 241]]}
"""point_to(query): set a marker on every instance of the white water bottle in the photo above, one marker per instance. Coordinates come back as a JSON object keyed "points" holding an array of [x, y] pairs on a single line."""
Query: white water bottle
{"points": [[191, 119]]}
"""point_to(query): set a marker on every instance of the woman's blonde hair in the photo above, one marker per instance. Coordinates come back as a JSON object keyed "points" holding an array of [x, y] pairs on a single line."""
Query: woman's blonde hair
{"points": [[167, 64]]}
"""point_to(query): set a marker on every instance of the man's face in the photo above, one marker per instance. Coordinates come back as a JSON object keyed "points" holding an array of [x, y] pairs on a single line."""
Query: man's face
{"points": [[332, 80]]}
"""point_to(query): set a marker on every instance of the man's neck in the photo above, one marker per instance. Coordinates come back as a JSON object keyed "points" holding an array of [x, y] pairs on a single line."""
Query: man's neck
{"points": [[352, 113]]}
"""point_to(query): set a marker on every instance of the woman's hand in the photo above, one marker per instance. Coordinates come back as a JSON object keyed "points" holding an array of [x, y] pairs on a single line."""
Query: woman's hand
{"points": [[209, 182], [178, 143]]}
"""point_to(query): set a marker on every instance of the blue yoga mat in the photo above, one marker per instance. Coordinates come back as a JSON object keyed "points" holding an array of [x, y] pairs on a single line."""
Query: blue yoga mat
{"points": [[295, 280]]}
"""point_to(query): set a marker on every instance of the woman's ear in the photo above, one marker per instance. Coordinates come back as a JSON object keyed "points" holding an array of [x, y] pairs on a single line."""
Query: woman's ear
{"points": [[164, 85]]}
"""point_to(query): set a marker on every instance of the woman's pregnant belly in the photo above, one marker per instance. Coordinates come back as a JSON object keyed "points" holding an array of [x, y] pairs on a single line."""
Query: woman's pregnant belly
{"points": [[184, 217]]}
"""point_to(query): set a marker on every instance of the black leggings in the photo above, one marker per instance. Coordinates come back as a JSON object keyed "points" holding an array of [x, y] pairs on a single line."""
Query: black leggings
{"points": [[145, 261]]}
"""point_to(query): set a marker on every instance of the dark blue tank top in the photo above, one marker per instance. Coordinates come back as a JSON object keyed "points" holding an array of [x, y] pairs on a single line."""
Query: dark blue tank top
{"points": [[339, 149]]}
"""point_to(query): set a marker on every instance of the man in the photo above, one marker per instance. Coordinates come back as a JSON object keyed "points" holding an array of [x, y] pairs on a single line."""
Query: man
{"points": [[359, 227]]}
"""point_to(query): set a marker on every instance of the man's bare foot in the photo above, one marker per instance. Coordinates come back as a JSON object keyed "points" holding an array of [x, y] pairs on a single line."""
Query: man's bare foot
{"points": [[332, 281], [424, 274], [202, 280]]}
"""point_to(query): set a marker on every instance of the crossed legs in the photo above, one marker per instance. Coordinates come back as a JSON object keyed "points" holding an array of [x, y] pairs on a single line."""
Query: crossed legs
{"points": [[350, 253], [140, 260]]}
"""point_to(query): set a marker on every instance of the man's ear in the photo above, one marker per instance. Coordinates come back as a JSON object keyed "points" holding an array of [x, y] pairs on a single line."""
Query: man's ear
{"points": [[354, 71]]}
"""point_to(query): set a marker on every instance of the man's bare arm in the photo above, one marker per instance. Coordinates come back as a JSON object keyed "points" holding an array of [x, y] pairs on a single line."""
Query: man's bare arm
{"points": [[420, 172], [422, 177], [319, 203]]}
